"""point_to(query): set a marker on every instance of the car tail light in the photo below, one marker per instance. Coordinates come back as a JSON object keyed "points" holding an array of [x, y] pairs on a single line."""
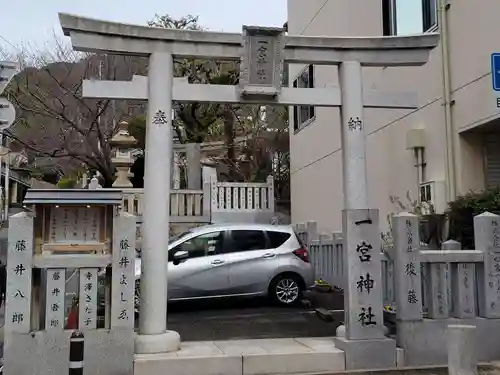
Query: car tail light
{"points": [[302, 254]]}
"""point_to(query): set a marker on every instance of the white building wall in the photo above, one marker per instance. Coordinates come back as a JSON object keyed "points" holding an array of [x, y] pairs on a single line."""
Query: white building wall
{"points": [[316, 180]]}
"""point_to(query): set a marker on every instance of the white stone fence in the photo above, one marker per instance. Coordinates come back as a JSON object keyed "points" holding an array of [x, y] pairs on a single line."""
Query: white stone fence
{"points": [[435, 288], [437, 269], [183, 203], [326, 252], [429, 288], [327, 257], [216, 201], [243, 196]]}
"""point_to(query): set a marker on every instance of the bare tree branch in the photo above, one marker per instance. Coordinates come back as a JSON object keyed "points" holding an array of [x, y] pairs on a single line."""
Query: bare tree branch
{"points": [[54, 120]]}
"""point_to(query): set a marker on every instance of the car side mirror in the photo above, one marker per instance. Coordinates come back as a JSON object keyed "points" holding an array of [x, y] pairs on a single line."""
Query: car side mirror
{"points": [[180, 256]]}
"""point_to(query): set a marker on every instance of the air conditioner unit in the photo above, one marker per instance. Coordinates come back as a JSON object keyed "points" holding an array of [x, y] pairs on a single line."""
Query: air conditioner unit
{"points": [[434, 193]]}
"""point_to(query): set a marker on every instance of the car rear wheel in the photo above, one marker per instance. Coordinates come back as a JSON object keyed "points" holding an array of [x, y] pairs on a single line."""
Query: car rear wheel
{"points": [[286, 289]]}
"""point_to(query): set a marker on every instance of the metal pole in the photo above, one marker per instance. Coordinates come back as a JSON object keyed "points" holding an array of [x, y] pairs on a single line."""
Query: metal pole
{"points": [[76, 346]]}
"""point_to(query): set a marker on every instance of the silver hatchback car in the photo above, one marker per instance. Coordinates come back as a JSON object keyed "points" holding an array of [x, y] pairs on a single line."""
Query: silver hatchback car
{"points": [[232, 260]]}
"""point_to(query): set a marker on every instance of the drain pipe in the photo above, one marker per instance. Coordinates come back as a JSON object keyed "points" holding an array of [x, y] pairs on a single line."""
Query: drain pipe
{"points": [[446, 101]]}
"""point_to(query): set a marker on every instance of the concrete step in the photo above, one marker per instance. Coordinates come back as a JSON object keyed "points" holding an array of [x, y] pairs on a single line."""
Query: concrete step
{"points": [[246, 357]]}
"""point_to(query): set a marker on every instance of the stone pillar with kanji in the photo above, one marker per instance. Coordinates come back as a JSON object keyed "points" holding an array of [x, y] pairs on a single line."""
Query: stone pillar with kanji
{"points": [[19, 274], [364, 326], [122, 144]]}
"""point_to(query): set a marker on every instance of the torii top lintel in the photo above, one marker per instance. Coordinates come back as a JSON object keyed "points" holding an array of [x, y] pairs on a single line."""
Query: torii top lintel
{"points": [[93, 35]]}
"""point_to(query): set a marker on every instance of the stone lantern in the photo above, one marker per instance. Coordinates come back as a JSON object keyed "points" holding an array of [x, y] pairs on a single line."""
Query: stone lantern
{"points": [[122, 145]]}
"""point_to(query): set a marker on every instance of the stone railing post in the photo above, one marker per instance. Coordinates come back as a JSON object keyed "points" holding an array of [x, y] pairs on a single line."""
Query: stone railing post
{"points": [[94, 183], [312, 232], [270, 189], [207, 199], [407, 273], [487, 239], [462, 285], [462, 350], [193, 161], [214, 195], [448, 270], [438, 288]]}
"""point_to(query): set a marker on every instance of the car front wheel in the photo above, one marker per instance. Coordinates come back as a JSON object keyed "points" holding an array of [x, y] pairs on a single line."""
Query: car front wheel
{"points": [[286, 289]]}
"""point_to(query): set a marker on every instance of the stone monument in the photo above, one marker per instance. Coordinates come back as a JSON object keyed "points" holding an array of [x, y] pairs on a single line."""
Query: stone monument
{"points": [[70, 229]]}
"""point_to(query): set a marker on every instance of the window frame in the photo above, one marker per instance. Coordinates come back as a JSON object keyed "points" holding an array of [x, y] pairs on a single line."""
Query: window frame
{"points": [[389, 18], [428, 10], [298, 122]]}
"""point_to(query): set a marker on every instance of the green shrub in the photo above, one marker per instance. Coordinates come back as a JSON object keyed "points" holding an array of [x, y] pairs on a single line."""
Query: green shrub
{"points": [[461, 213], [66, 183]]}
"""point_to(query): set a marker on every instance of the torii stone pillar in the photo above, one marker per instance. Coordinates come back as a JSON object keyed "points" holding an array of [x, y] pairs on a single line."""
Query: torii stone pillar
{"points": [[262, 52], [153, 335]]}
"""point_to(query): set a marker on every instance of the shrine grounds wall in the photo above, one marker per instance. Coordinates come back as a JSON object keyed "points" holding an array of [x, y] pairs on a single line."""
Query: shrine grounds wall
{"points": [[428, 289], [316, 174]]}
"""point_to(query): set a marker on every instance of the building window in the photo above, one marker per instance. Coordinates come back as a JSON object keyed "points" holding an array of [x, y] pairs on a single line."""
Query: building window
{"points": [[304, 113], [389, 17], [429, 15]]}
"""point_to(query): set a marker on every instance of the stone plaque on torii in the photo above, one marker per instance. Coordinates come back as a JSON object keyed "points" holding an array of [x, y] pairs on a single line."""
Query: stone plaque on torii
{"points": [[261, 66], [262, 52]]}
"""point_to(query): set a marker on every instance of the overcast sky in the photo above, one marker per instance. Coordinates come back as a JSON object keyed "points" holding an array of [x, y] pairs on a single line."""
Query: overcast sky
{"points": [[33, 22]]}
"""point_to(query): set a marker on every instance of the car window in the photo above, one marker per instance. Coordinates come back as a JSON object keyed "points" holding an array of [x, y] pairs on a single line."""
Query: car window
{"points": [[200, 246], [277, 238], [301, 242], [247, 240], [177, 236]]}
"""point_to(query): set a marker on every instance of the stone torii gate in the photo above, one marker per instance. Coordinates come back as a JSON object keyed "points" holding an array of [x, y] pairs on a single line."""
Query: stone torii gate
{"points": [[262, 52]]}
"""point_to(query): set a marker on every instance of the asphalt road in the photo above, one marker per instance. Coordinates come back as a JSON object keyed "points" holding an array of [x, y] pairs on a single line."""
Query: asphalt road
{"points": [[247, 319]]}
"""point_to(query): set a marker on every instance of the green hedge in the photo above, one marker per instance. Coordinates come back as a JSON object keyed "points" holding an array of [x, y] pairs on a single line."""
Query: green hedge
{"points": [[462, 211], [66, 183]]}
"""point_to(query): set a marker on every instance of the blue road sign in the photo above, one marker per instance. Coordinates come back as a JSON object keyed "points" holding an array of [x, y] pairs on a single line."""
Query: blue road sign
{"points": [[495, 70]]}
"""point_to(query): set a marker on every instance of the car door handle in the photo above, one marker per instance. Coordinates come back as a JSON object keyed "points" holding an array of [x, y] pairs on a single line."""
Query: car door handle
{"points": [[217, 261], [268, 255]]}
